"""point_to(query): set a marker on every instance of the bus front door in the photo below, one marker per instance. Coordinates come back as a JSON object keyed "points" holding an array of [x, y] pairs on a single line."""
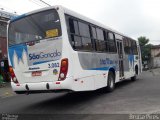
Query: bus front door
{"points": [[120, 56]]}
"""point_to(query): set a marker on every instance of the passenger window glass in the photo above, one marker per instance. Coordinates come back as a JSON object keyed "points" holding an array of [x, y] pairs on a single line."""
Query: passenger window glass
{"points": [[94, 35], [87, 44], [112, 47], [101, 45], [76, 42], [100, 35], [73, 26], [111, 42], [110, 36], [84, 29], [76, 27]]}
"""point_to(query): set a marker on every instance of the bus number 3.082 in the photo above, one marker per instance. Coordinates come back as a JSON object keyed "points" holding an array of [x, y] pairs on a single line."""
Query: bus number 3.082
{"points": [[53, 65]]}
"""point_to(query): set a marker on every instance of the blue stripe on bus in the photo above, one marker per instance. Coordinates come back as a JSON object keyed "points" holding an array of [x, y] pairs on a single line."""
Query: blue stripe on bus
{"points": [[18, 17], [101, 68], [35, 63]]}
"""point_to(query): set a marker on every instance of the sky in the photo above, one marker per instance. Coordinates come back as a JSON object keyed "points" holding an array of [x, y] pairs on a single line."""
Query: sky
{"points": [[133, 18]]}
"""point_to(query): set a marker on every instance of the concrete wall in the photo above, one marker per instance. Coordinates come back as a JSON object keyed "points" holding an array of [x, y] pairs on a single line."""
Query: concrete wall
{"points": [[3, 47], [155, 56], [155, 51], [156, 62]]}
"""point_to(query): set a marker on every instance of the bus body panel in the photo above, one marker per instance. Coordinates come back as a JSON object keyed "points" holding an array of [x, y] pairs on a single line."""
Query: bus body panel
{"points": [[36, 63], [98, 64], [86, 70]]}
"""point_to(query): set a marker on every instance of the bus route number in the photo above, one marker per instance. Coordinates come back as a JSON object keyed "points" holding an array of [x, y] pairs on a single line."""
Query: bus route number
{"points": [[53, 65]]}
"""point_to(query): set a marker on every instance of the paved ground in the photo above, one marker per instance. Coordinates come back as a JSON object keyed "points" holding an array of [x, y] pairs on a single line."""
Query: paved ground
{"points": [[6, 91], [141, 96]]}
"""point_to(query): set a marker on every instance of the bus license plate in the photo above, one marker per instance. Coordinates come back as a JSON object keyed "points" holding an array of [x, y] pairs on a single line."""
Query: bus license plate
{"points": [[37, 73]]}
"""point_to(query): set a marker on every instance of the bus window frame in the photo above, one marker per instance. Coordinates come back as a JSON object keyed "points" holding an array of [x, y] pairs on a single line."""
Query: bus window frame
{"points": [[93, 40]]}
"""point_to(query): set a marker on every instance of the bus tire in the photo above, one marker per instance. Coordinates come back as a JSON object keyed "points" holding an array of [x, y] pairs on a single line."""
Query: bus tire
{"points": [[110, 82], [134, 78]]}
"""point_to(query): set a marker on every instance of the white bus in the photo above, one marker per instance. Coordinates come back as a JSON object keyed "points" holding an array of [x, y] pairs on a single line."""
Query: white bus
{"points": [[55, 49]]}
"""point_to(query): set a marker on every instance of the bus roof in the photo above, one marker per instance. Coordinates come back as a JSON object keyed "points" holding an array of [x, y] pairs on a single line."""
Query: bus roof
{"points": [[82, 17], [72, 13]]}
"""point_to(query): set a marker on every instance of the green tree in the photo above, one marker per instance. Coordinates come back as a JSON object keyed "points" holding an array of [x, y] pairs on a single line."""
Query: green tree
{"points": [[143, 41], [145, 48]]}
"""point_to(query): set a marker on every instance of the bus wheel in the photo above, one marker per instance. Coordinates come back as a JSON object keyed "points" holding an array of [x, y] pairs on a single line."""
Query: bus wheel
{"points": [[111, 82], [134, 78]]}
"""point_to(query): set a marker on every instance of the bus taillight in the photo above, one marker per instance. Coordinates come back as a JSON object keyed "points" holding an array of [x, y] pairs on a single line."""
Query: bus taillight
{"points": [[13, 76], [63, 69]]}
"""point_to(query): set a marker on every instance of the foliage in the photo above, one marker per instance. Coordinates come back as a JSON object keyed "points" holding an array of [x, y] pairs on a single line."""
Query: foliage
{"points": [[145, 48], [1, 79], [143, 41]]}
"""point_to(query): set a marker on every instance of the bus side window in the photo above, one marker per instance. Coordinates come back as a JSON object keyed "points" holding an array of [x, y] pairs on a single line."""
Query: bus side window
{"points": [[73, 26], [134, 45], [136, 49], [84, 29], [76, 42], [100, 42], [86, 37], [74, 34], [93, 36], [112, 43], [125, 44], [106, 40], [127, 47]]}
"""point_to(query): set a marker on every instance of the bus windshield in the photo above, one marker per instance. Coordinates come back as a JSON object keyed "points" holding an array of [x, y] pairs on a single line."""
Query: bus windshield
{"points": [[34, 27]]}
